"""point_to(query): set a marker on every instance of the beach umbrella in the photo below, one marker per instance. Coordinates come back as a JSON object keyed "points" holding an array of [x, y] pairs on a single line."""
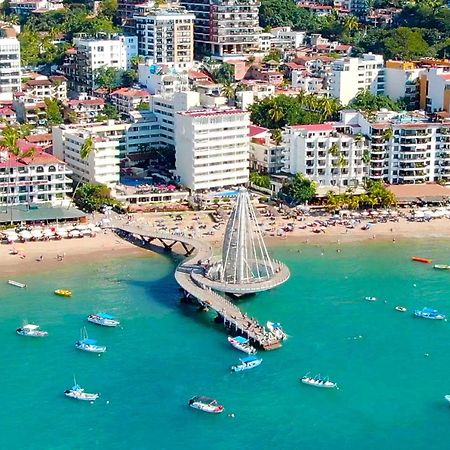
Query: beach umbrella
{"points": [[61, 232], [36, 233], [74, 233], [48, 233], [12, 237], [25, 234]]}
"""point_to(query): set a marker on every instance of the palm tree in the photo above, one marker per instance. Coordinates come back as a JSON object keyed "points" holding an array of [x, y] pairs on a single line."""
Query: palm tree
{"points": [[340, 163], [277, 136], [327, 107], [276, 114], [136, 60], [351, 23], [228, 90], [86, 149], [388, 134], [359, 139]]}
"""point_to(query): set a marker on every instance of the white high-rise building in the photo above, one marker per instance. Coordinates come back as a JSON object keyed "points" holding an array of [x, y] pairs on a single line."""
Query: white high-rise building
{"points": [[10, 69], [165, 34], [326, 153], [212, 148], [349, 76], [94, 53]]}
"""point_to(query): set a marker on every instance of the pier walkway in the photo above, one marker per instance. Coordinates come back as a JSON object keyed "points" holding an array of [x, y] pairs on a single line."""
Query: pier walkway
{"points": [[190, 276]]}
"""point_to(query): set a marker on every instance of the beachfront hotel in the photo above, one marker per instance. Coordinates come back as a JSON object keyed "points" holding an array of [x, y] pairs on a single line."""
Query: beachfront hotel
{"points": [[39, 178], [212, 148]]}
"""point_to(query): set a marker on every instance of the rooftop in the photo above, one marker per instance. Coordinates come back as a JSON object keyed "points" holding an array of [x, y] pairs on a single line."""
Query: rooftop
{"points": [[22, 213]]}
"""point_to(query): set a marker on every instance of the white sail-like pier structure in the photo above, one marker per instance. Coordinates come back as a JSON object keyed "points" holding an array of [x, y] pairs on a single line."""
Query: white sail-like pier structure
{"points": [[245, 265]]}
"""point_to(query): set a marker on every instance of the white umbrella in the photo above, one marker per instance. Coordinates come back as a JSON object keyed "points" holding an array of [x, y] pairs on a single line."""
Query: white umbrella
{"points": [[74, 233], [365, 213], [25, 234], [12, 237], [37, 234], [48, 233]]}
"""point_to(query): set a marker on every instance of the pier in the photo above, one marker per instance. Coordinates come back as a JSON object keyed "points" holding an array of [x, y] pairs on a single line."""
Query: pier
{"points": [[187, 276], [244, 268]]}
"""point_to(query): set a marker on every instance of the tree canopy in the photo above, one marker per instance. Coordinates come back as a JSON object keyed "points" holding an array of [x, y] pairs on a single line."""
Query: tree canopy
{"points": [[366, 101], [300, 188], [92, 196]]}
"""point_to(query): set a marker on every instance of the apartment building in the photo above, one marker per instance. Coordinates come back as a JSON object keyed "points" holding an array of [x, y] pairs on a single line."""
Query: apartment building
{"points": [[349, 76], [212, 148], [92, 53], [165, 34], [224, 27], [402, 81], [41, 178], [126, 9], [162, 79], [265, 155], [326, 153], [10, 68], [129, 99], [26, 7]]}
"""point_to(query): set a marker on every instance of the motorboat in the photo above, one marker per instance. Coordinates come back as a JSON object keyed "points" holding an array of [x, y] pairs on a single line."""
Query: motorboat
{"points": [[277, 330], [429, 313], [318, 381], [63, 292], [400, 308], [422, 260], [89, 345], [17, 284], [247, 363], [104, 319], [205, 404], [442, 266], [370, 299], [242, 344], [77, 392], [447, 397], [31, 330]]}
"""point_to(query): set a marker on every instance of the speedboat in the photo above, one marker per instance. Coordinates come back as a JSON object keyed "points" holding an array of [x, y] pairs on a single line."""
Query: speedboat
{"points": [[370, 299], [447, 397], [63, 292], [400, 308], [429, 313], [277, 330], [17, 284], [77, 392], [442, 266], [242, 344], [89, 345], [107, 320], [31, 330], [247, 363], [205, 404], [318, 381]]}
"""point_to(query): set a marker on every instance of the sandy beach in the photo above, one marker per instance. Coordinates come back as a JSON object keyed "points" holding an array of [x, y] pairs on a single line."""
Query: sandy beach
{"points": [[107, 244]]}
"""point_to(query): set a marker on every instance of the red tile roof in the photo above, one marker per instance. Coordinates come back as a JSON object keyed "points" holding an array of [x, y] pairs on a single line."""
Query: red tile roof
{"points": [[130, 92], [36, 138], [90, 101], [254, 130], [314, 127]]}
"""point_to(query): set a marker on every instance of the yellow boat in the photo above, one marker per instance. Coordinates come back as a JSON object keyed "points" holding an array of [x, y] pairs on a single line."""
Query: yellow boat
{"points": [[63, 292]]}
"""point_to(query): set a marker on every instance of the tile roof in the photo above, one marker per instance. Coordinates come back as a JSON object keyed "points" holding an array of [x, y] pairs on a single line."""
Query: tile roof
{"points": [[314, 127]]}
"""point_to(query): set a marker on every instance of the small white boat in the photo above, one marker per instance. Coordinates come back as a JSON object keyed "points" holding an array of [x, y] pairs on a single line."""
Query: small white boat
{"points": [[447, 397], [31, 330], [205, 404], [442, 266], [89, 345], [242, 344], [400, 308], [247, 363], [370, 299], [106, 320], [318, 381], [17, 284], [77, 392], [277, 330]]}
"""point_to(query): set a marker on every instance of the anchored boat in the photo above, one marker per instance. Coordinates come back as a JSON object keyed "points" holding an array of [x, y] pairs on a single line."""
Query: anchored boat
{"points": [[205, 404], [370, 299], [63, 292], [447, 397], [89, 345], [242, 344], [442, 266], [104, 319], [429, 313], [247, 363], [31, 330], [318, 381], [400, 308], [277, 330], [17, 284], [77, 392], [422, 260]]}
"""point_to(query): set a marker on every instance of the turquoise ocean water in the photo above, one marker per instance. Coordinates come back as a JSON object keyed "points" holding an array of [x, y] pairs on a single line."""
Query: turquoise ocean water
{"points": [[390, 393]]}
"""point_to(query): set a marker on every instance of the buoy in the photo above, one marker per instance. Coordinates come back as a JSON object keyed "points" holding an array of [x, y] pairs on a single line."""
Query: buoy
{"points": [[414, 285], [107, 402]]}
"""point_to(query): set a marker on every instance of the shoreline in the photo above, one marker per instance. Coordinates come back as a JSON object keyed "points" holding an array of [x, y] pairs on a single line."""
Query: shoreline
{"points": [[108, 245]]}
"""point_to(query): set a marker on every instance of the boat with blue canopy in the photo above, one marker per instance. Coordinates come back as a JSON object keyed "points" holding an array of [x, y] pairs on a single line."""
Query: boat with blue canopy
{"points": [[242, 344], [248, 362], [277, 330], [429, 313], [318, 381], [77, 392], [89, 345], [104, 319]]}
